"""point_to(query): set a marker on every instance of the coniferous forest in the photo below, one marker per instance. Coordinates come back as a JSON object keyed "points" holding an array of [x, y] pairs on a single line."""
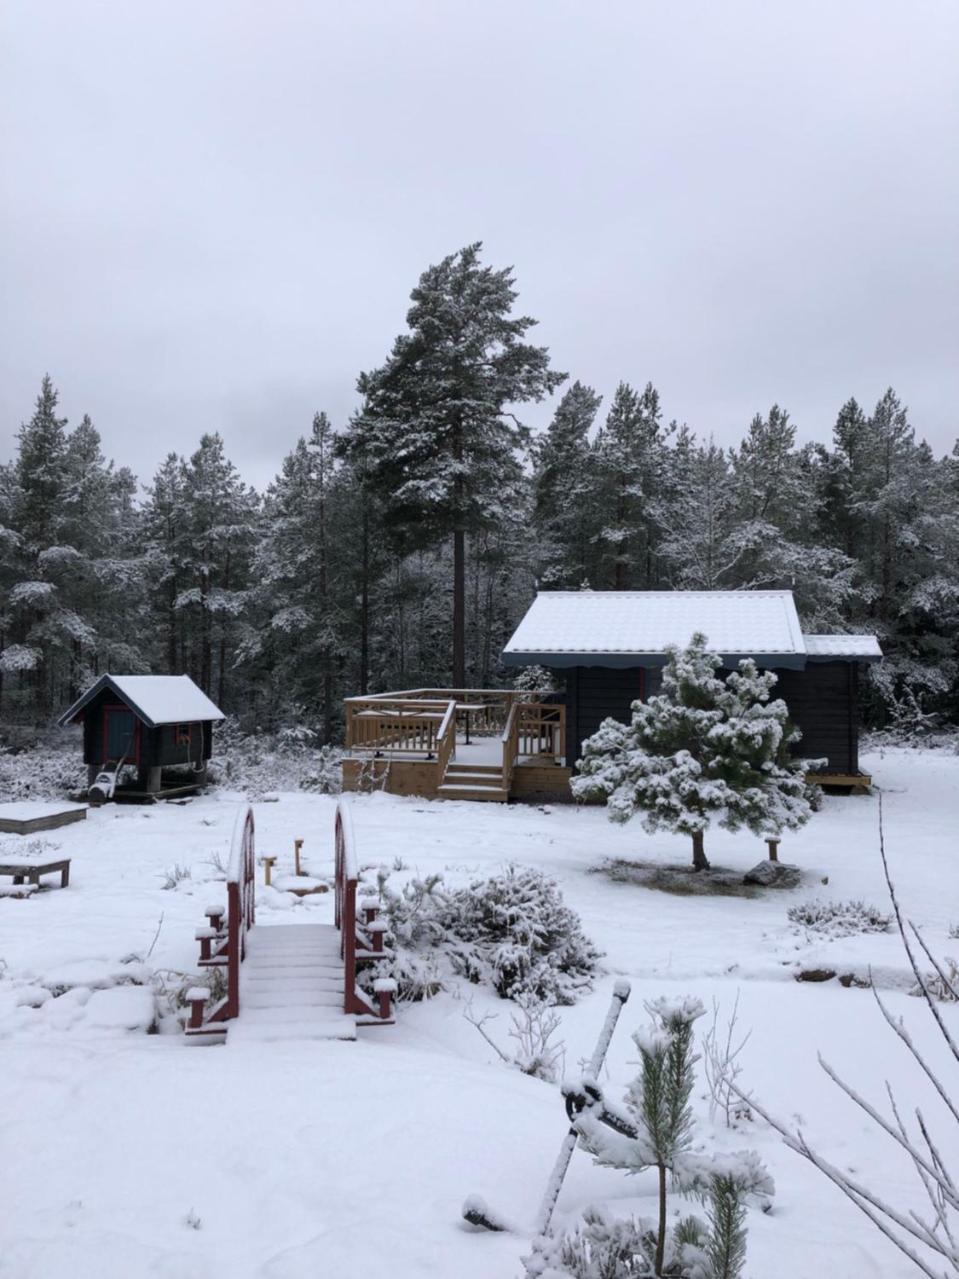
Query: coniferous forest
{"points": [[399, 548]]}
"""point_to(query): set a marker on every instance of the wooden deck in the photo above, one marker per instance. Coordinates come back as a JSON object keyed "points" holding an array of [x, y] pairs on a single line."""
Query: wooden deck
{"points": [[476, 744]]}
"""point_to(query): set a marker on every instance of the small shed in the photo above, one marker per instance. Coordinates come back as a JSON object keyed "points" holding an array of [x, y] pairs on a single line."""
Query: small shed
{"points": [[611, 647], [149, 722]]}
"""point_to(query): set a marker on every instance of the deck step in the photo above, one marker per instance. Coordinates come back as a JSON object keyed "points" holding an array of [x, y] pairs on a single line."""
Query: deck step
{"points": [[473, 778], [494, 794], [490, 769]]}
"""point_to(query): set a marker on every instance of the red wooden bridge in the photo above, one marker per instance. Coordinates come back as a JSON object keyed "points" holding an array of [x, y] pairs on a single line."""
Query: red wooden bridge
{"points": [[290, 981]]}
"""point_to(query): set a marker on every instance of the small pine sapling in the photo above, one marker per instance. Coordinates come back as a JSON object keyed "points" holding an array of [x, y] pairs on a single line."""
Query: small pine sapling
{"points": [[706, 747], [655, 1131]]}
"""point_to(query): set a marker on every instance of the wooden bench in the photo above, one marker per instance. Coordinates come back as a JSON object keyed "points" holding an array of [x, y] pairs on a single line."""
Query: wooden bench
{"points": [[30, 872]]}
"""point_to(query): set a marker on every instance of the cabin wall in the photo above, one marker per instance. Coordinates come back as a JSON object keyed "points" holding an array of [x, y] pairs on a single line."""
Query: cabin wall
{"points": [[595, 693], [823, 704], [171, 744], [822, 701]]}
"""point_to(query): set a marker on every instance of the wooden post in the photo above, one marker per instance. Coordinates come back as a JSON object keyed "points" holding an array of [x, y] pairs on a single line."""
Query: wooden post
{"points": [[773, 846], [268, 869], [297, 845]]}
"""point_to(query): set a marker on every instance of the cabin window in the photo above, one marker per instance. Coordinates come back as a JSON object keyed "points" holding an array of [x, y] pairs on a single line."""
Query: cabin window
{"points": [[181, 735]]}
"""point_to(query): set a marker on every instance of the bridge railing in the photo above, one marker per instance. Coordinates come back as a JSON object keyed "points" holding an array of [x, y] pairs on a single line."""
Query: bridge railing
{"points": [[361, 931], [223, 939]]}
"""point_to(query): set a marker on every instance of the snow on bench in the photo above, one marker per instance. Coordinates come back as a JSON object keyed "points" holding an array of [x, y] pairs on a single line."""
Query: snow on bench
{"points": [[18, 890]]}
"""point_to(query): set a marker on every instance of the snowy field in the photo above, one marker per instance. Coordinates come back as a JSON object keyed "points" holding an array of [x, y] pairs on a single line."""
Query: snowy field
{"points": [[126, 1154]]}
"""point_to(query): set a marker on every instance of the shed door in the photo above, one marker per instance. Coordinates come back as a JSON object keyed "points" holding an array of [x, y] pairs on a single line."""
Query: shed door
{"points": [[121, 733]]}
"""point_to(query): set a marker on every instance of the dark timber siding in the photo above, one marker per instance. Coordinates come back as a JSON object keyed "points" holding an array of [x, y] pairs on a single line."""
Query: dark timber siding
{"points": [[595, 693], [822, 702]]}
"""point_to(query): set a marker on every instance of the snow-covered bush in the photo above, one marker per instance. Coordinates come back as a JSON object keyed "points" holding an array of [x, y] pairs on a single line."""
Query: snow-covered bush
{"points": [[42, 772], [512, 931], [707, 747], [534, 679], [259, 762], [516, 932], [654, 1131], [839, 919]]}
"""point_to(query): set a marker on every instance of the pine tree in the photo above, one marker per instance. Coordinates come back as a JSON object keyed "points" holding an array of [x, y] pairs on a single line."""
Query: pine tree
{"points": [[705, 748], [41, 472], [220, 528], [437, 431], [654, 1130], [630, 461], [565, 497], [699, 519], [298, 568], [165, 539]]}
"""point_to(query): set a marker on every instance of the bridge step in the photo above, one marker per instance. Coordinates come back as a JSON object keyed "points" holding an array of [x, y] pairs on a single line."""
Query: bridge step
{"points": [[291, 986]]}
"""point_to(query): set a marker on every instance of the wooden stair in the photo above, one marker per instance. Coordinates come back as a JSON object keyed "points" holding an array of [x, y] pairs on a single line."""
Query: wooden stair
{"points": [[291, 986], [473, 781]]}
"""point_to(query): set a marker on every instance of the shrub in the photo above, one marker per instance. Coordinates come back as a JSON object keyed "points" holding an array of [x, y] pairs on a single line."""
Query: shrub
{"points": [[260, 762], [839, 919], [515, 931], [512, 931], [43, 772]]}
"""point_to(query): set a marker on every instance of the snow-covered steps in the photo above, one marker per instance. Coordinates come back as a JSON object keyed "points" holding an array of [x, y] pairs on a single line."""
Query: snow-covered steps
{"points": [[291, 986], [456, 791], [473, 781]]}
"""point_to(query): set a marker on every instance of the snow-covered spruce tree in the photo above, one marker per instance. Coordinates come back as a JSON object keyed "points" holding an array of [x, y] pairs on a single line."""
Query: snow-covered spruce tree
{"points": [[655, 1131], [705, 748]]}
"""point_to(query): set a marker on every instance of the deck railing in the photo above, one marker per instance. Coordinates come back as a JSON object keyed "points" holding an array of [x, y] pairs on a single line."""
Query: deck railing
{"points": [[409, 722], [361, 939], [223, 940]]}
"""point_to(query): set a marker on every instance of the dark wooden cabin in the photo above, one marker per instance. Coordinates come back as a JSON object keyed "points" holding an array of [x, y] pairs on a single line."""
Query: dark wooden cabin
{"points": [[146, 722], [609, 646]]}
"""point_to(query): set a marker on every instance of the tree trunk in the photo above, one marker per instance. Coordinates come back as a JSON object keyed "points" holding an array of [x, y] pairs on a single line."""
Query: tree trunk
{"points": [[365, 602], [327, 707], [661, 1231], [206, 638], [459, 608], [699, 852], [459, 566]]}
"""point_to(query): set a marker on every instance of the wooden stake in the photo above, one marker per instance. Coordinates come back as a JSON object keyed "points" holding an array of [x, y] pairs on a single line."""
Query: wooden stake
{"points": [[297, 845], [773, 846], [267, 869]]}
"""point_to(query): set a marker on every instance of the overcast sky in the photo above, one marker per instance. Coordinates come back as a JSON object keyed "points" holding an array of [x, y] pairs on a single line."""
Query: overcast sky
{"points": [[213, 212]]}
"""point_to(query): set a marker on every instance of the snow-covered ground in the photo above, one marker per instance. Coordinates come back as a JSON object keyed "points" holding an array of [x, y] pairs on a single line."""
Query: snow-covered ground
{"points": [[126, 1154]]}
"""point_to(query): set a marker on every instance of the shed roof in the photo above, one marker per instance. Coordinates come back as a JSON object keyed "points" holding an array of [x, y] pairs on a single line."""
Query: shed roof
{"points": [[157, 699], [862, 648], [632, 628]]}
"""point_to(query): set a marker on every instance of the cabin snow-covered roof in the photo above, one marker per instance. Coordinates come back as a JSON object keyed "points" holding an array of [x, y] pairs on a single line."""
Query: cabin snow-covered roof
{"points": [[157, 699], [864, 648], [632, 628]]}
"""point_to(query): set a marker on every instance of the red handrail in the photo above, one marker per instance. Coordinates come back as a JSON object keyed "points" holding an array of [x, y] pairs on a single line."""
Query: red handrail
{"points": [[351, 930], [223, 943], [240, 892]]}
